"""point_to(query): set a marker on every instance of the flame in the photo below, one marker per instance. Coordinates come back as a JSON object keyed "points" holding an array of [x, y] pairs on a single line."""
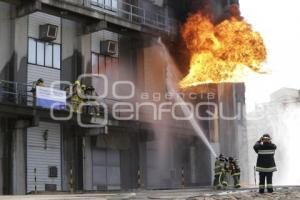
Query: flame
{"points": [[223, 52]]}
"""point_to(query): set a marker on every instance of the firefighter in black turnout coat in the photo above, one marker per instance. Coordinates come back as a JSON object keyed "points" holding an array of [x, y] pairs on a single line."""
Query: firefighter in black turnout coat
{"points": [[265, 162]]}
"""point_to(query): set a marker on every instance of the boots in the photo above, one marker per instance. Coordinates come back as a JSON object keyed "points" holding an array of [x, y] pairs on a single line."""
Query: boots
{"points": [[270, 190], [261, 191]]}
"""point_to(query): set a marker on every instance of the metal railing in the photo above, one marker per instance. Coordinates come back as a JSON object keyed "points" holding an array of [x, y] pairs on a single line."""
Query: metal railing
{"points": [[15, 93], [142, 16]]}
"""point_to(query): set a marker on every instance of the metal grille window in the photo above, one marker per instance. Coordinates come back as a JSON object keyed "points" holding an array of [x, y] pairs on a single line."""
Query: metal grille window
{"points": [[106, 4], [45, 54]]}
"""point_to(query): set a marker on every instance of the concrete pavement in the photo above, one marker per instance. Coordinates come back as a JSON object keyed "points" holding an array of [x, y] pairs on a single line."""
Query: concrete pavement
{"points": [[184, 194]]}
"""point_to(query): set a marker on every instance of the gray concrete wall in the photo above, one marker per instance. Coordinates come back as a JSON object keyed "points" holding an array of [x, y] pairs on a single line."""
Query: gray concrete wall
{"points": [[6, 41], [128, 58], [67, 156], [18, 158], [1, 159], [70, 43], [129, 162], [227, 121], [87, 165], [20, 46], [241, 129], [85, 49]]}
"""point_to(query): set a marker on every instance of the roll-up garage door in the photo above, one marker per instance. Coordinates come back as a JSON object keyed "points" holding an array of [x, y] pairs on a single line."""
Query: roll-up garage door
{"points": [[44, 157]]}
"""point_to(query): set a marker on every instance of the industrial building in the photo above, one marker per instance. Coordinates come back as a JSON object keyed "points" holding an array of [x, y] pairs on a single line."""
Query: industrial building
{"points": [[59, 40]]}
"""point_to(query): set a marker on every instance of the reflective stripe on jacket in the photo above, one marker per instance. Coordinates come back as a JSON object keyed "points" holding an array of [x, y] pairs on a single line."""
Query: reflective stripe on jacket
{"points": [[265, 159]]}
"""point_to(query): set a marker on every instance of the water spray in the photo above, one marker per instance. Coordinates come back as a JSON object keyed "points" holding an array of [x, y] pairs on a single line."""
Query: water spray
{"points": [[171, 80]]}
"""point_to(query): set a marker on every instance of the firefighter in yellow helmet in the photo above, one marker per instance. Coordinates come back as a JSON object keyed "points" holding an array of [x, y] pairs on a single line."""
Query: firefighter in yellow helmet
{"points": [[235, 171], [76, 100], [83, 97], [221, 167], [38, 83]]}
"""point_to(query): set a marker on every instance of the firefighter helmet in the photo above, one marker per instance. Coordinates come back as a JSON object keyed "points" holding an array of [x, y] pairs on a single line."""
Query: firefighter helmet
{"points": [[40, 80], [222, 157], [77, 82], [266, 138]]}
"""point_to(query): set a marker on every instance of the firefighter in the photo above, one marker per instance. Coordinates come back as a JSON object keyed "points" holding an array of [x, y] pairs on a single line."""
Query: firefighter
{"points": [[83, 97], [235, 171], [220, 172], [76, 99], [265, 162], [38, 83]]}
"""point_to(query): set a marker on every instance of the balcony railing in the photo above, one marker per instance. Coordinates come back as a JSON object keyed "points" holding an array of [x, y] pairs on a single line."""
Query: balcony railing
{"points": [[15, 93], [22, 94], [142, 16]]}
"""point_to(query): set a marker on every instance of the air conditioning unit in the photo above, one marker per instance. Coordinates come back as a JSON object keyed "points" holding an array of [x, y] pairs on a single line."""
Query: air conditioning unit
{"points": [[108, 47], [48, 32]]}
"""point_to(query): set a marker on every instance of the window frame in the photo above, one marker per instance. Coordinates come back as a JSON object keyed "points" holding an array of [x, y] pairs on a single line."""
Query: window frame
{"points": [[105, 59], [52, 55], [36, 53], [105, 6]]}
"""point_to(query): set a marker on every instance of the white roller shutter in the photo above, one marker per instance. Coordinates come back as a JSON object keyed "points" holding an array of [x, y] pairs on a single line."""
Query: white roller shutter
{"points": [[41, 158], [49, 75]]}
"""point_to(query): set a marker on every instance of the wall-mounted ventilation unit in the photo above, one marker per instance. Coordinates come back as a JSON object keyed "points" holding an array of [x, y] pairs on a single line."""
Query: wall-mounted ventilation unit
{"points": [[48, 32], [108, 47]]}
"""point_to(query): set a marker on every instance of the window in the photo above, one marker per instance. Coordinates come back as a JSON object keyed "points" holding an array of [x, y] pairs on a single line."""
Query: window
{"points": [[31, 48], [49, 55], [106, 4], [56, 56], [40, 53], [103, 64], [44, 53], [114, 5]]}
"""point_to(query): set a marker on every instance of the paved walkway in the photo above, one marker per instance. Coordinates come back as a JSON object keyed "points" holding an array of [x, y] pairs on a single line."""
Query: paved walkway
{"points": [[282, 193]]}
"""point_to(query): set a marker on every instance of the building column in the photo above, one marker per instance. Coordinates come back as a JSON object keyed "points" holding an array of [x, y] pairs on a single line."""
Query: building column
{"points": [[87, 164], [18, 158], [1, 160]]}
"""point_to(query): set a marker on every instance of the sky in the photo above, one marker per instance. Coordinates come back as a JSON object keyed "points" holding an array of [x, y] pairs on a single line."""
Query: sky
{"points": [[279, 24]]}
